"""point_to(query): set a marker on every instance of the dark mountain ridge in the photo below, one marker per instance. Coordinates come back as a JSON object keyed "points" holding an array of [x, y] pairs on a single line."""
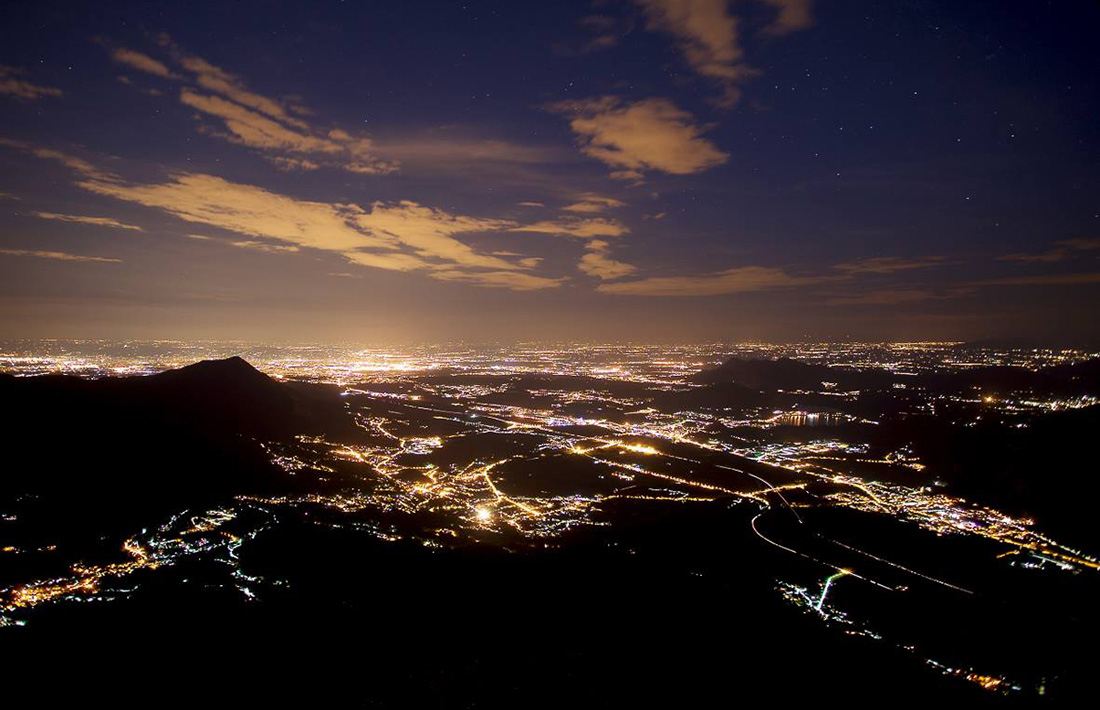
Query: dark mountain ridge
{"points": [[108, 453]]}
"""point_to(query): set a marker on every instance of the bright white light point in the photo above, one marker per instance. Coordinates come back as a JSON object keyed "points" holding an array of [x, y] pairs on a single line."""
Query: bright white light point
{"points": [[484, 515]]}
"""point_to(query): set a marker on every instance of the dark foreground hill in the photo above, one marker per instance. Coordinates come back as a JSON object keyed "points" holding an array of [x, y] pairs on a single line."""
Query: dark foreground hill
{"points": [[88, 457]]}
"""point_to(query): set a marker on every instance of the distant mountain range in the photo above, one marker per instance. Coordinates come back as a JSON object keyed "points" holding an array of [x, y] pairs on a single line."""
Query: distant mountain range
{"points": [[787, 374]]}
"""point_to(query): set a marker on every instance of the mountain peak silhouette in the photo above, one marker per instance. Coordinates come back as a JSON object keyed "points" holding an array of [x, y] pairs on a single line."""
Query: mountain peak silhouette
{"points": [[232, 370]]}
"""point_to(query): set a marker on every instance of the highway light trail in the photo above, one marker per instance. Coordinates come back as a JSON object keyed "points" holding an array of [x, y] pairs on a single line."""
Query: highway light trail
{"points": [[828, 583]]}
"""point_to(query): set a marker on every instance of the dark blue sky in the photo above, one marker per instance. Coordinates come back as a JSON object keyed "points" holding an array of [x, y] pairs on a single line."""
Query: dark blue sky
{"points": [[620, 169]]}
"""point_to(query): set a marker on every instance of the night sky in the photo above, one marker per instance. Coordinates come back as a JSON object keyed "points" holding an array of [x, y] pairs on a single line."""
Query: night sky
{"points": [[649, 170]]}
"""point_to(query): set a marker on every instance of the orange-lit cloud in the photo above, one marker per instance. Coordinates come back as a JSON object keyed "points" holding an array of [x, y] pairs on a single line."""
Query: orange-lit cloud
{"points": [[219, 81], [652, 134], [141, 62], [739, 280], [254, 129], [403, 236], [591, 202], [513, 280], [264, 246], [888, 264], [1065, 249], [709, 35], [99, 221], [1043, 280], [430, 233], [885, 297], [12, 85], [582, 228], [596, 262], [59, 256], [248, 210], [72, 162], [793, 15], [257, 121]]}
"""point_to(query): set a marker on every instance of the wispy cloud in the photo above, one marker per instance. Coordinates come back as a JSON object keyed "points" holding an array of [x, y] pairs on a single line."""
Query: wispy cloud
{"points": [[888, 264], [513, 280], [70, 161], [793, 15], [1065, 249], [141, 62], [59, 256], [709, 35], [600, 32], [582, 228], [265, 246], [738, 280], [652, 134], [274, 128], [98, 221], [1043, 280], [12, 85], [591, 202], [1085, 244], [887, 297]]}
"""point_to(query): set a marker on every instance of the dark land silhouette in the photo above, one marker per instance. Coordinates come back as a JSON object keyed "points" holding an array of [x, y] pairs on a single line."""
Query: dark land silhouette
{"points": [[664, 606]]}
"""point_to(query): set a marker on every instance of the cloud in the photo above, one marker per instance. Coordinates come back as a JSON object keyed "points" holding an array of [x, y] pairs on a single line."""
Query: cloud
{"points": [[514, 280], [141, 62], [429, 232], [888, 264], [591, 202], [73, 163], [1043, 280], [284, 163], [707, 32], [100, 221], [59, 256], [1063, 250], [403, 236], [1045, 257], [1081, 244], [249, 210], [438, 147], [256, 130], [710, 37], [217, 80], [598, 264], [582, 228], [257, 121], [793, 15], [739, 280], [264, 246], [390, 261], [11, 85], [652, 134], [602, 32], [885, 297]]}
